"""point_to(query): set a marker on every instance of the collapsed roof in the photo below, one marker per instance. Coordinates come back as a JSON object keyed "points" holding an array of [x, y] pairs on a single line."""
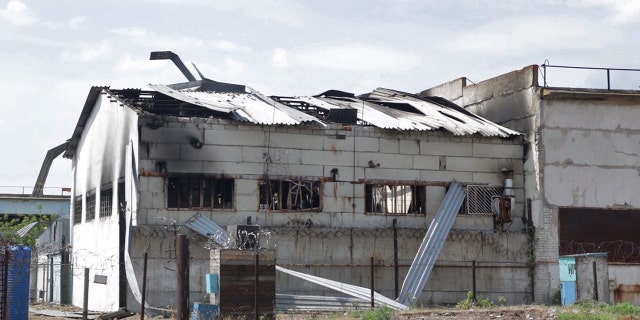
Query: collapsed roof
{"points": [[382, 108]]}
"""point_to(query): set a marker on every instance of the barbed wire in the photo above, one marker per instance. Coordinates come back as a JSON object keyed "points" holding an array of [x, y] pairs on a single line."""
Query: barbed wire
{"points": [[617, 250]]}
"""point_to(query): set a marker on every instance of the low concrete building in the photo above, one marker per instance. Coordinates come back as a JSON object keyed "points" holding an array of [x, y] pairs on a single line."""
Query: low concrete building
{"points": [[338, 179], [581, 168]]}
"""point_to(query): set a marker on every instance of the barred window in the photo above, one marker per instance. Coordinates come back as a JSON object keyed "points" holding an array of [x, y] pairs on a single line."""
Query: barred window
{"points": [[195, 192], [106, 200], [290, 195], [395, 199], [91, 206], [77, 209]]}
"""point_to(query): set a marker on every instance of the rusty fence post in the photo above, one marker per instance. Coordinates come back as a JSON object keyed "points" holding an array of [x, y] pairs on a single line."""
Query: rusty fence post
{"points": [[144, 287], [595, 282], [85, 303], [373, 303], [182, 269], [256, 288]]}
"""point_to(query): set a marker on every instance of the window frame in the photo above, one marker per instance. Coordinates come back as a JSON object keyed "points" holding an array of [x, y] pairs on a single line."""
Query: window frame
{"points": [[106, 203], [91, 206], [77, 209], [401, 207], [212, 192], [307, 189]]}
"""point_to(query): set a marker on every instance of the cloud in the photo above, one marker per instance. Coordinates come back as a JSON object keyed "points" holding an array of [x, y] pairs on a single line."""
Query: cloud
{"points": [[279, 58], [88, 51], [287, 12], [129, 64], [18, 14], [355, 57], [77, 22], [521, 34], [624, 11], [234, 66]]}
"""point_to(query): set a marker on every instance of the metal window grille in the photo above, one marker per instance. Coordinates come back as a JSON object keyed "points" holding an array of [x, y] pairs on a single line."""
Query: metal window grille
{"points": [[290, 195], [479, 198], [194, 192], [106, 200], [91, 207], [395, 199], [77, 209]]}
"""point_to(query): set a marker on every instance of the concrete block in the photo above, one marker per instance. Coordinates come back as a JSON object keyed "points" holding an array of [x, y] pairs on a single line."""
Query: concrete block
{"points": [[472, 164], [435, 195], [181, 166], [445, 176], [426, 162], [497, 151], [491, 178], [169, 135], [386, 160], [163, 151], [233, 168], [389, 145], [391, 174], [296, 141], [235, 137], [366, 144], [343, 158], [212, 153], [409, 147], [345, 173], [439, 148], [331, 143], [301, 170]]}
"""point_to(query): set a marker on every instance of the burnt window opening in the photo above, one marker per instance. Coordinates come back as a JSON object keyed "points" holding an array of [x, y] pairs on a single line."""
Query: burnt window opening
{"points": [[395, 199], [77, 209], [91, 206], [106, 200], [122, 204], [195, 192], [290, 195]]}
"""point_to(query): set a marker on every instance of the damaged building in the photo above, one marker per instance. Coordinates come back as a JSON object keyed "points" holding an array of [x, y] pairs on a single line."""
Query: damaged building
{"points": [[337, 179], [581, 167]]}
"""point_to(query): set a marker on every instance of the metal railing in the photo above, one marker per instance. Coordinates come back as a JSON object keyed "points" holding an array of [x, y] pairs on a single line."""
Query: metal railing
{"points": [[608, 71], [27, 191]]}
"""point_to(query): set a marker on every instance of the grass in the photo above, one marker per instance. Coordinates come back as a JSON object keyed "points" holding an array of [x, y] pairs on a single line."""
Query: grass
{"points": [[592, 310]]}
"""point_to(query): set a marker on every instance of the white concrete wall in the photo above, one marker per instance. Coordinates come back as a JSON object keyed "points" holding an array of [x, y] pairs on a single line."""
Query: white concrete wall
{"points": [[581, 151], [238, 151], [99, 162]]}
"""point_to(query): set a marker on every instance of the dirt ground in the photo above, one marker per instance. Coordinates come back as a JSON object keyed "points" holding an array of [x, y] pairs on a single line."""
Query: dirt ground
{"points": [[502, 313]]}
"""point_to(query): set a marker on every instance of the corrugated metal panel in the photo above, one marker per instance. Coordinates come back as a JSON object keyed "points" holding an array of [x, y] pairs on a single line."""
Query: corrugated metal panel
{"points": [[431, 246], [306, 303], [377, 109], [204, 226], [24, 230], [18, 282], [250, 106], [354, 291]]}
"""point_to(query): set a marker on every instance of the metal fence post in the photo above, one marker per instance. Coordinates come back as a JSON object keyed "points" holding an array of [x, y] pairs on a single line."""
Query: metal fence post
{"points": [[182, 269], [257, 287], [144, 286], [595, 282], [473, 280], [373, 303], [395, 258], [85, 303]]}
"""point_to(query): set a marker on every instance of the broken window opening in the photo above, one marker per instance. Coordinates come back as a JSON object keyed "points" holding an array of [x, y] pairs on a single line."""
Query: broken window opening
{"points": [[197, 192], [91, 206], [395, 199], [290, 195], [106, 200], [77, 209]]}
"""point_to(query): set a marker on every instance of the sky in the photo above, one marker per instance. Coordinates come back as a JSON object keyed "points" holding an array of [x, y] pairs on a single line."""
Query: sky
{"points": [[52, 52]]}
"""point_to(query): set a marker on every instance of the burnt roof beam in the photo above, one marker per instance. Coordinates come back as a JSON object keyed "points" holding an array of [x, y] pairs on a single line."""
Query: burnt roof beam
{"points": [[169, 55]]}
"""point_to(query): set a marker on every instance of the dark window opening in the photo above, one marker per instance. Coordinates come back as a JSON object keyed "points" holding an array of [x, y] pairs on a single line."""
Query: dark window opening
{"points": [[121, 201], [395, 199], [589, 230], [195, 192], [106, 200], [91, 206], [290, 195], [77, 209]]}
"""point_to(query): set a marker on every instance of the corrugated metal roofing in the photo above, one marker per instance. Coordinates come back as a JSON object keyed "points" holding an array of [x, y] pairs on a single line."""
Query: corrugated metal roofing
{"points": [[249, 106], [383, 108]]}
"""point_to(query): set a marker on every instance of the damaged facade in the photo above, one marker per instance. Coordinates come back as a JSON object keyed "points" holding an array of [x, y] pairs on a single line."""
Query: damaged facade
{"points": [[581, 169], [334, 177]]}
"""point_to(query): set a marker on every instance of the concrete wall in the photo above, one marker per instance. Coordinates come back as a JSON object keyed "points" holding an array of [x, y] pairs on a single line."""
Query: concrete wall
{"points": [[99, 163], [581, 148], [239, 151]]}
